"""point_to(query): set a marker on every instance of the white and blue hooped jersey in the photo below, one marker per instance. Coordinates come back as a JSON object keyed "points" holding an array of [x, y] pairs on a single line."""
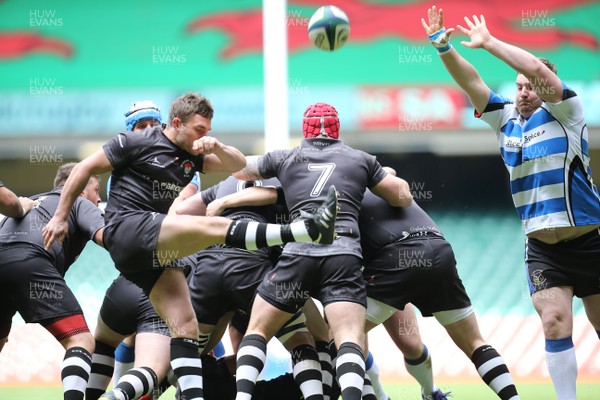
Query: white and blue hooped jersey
{"points": [[548, 162]]}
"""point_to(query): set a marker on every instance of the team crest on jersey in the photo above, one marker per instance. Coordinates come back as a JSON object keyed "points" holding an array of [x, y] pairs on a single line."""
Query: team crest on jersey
{"points": [[188, 168], [537, 278]]}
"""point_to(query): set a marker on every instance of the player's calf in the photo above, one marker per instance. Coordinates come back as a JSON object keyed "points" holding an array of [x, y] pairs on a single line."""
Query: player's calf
{"points": [[73, 333]]}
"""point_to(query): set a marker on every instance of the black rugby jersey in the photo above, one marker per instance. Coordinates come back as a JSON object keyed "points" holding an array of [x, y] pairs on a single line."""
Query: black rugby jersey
{"points": [[149, 172], [306, 173], [85, 219], [382, 224]]}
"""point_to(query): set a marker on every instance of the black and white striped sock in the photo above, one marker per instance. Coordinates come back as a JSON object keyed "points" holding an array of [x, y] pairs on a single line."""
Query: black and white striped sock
{"points": [[335, 386], [306, 369], [103, 363], [368, 393], [137, 382], [494, 372], [162, 387], [75, 373], [187, 367], [202, 341], [350, 370], [251, 357], [252, 235], [326, 368]]}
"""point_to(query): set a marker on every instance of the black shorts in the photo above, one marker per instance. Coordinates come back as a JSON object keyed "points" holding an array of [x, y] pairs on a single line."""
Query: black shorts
{"points": [[127, 310], [131, 242], [240, 321], [421, 271], [31, 286], [329, 279], [573, 263], [225, 279]]}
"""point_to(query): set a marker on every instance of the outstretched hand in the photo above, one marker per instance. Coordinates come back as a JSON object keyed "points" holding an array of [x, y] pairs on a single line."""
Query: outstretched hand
{"points": [[436, 22], [477, 32]]}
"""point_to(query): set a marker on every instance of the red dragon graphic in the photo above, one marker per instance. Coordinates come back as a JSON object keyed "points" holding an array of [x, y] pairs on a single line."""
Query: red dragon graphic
{"points": [[18, 44], [370, 21]]}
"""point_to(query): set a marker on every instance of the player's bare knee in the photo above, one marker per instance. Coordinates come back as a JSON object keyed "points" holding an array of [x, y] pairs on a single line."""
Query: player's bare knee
{"points": [[556, 324], [410, 346]]}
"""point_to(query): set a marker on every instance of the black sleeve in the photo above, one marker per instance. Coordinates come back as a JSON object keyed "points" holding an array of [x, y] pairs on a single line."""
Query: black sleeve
{"points": [[121, 149], [88, 218], [377, 173], [269, 163], [209, 195], [280, 197]]}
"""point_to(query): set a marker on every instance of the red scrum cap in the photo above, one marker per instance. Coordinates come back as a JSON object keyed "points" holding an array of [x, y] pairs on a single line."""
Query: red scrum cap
{"points": [[321, 120]]}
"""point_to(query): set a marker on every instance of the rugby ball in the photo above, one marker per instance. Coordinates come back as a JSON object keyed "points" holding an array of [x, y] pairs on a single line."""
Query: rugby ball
{"points": [[328, 28]]}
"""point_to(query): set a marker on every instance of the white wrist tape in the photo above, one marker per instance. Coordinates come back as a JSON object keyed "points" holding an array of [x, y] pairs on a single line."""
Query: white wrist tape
{"points": [[440, 41]]}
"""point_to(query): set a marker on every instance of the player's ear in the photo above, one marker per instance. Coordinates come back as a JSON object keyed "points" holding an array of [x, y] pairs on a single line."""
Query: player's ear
{"points": [[176, 122]]}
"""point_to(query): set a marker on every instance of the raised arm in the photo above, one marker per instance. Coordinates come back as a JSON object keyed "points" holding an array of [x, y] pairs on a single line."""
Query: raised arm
{"points": [[250, 171], [57, 227], [545, 82], [463, 73], [219, 157]]}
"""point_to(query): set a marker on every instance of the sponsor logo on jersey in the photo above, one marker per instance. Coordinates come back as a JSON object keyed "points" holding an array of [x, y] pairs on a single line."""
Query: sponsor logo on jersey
{"points": [[527, 138], [512, 143]]}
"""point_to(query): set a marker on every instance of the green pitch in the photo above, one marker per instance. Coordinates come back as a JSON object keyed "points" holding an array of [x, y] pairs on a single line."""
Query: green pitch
{"points": [[479, 391], [460, 391]]}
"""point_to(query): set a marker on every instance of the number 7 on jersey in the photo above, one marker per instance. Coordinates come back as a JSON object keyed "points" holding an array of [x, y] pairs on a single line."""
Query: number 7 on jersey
{"points": [[326, 170]]}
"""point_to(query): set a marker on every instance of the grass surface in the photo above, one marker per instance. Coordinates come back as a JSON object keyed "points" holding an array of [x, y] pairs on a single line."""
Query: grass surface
{"points": [[460, 391], [479, 391]]}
